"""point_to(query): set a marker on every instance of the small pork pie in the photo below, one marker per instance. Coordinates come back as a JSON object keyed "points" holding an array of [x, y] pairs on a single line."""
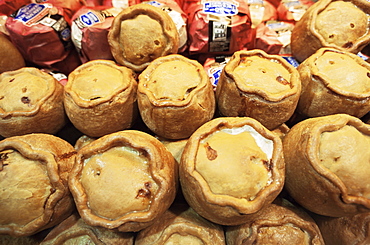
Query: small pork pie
{"points": [[31, 101], [123, 180], [328, 164], [141, 33], [258, 85], [100, 98], [34, 192], [231, 168]]}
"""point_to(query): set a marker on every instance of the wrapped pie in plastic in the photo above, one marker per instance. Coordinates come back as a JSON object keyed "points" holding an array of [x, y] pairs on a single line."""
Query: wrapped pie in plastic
{"points": [[123, 181], [327, 164], [34, 172], [90, 27], [141, 33], [231, 168], [181, 225], [100, 97], [11, 59], [42, 34], [279, 223], [320, 26], [258, 85], [352, 229], [218, 27], [8, 7], [31, 101], [334, 82], [74, 230], [175, 96]]}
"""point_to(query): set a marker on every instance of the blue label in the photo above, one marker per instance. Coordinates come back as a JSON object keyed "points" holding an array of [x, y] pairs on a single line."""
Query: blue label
{"points": [[154, 3], [29, 11], [220, 8], [291, 60], [89, 18]]}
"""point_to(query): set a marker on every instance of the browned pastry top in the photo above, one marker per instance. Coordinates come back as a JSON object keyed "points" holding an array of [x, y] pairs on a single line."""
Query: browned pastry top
{"points": [[140, 34], [338, 31], [345, 153], [102, 178], [23, 89], [343, 72], [16, 184], [264, 74]]}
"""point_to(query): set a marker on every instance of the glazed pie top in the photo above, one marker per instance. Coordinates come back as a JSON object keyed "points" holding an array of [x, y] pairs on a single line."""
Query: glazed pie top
{"points": [[345, 153], [140, 34], [264, 74], [169, 82], [339, 31], [288, 233], [343, 72], [22, 179], [97, 81], [104, 182], [23, 90], [234, 161]]}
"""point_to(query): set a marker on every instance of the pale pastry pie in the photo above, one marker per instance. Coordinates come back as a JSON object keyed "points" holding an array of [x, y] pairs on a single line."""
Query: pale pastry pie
{"points": [[74, 230], [175, 96], [141, 33], [180, 224], [258, 85], [34, 192], [123, 180], [231, 168], [31, 101], [342, 25], [328, 158], [279, 223], [334, 82], [100, 98]]}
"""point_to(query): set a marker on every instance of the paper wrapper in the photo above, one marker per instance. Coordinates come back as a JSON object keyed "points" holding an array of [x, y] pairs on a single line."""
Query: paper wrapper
{"points": [[41, 34], [219, 27]]}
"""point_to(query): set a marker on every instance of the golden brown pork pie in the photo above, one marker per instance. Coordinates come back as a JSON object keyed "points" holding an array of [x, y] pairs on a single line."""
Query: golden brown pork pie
{"points": [[327, 164], [279, 223], [141, 33], [34, 192], [175, 96], [334, 82], [74, 230], [181, 225], [258, 85], [100, 98], [123, 180], [31, 101], [231, 168], [343, 25]]}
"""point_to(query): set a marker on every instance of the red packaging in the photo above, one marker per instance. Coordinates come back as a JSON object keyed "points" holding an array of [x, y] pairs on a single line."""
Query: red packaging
{"points": [[90, 27], [119, 3], [267, 40], [7, 7], [70, 7], [219, 27], [40, 33]]}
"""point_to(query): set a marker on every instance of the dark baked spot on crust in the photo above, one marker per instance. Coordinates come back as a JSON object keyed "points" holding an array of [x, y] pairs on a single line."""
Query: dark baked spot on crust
{"points": [[282, 80], [210, 152], [3, 157], [348, 45], [25, 100], [145, 192], [65, 155]]}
